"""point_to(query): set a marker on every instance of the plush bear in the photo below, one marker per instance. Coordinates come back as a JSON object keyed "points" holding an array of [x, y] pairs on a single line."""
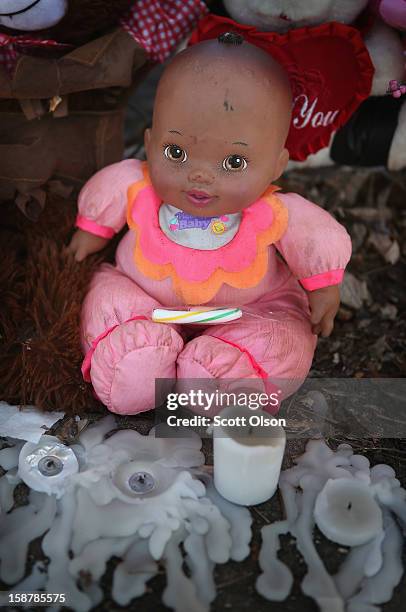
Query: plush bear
{"points": [[66, 70], [66, 67], [375, 134]]}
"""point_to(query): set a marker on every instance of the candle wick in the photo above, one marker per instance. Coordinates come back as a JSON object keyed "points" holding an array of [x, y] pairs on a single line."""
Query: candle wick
{"points": [[349, 506]]}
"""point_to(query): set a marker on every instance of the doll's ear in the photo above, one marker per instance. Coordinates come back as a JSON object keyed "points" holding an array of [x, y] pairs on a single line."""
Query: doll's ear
{"points": [[281, 163], [147, 139]]}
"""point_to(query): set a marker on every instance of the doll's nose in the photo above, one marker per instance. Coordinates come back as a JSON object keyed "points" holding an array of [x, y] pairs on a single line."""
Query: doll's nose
{"points": [[201, 176]]}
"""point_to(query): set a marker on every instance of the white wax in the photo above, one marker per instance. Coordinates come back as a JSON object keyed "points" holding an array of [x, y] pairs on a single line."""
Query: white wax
{"points": [[247, 458], [347, 513]]}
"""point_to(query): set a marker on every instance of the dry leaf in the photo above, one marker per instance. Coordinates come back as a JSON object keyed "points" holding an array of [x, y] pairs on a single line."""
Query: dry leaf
{"points": [[393, 253], [353, 291], [389, 311]]}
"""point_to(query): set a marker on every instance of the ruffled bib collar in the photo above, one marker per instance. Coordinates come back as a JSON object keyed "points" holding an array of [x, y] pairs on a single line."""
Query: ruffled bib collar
{"points": [[197, 275]]}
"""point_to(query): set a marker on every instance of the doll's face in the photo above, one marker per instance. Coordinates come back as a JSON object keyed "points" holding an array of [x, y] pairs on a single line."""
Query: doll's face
{"points": [[218, 134]]}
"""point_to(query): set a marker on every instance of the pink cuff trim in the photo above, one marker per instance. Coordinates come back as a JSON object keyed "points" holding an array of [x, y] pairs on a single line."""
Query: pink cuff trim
{"points": [[94, 228], [269, 386], [325, 279], [86, 365]]}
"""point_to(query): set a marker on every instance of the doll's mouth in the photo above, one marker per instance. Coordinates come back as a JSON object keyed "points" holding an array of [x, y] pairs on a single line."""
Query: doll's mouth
{"points": [[199, 198], [24, 10]]}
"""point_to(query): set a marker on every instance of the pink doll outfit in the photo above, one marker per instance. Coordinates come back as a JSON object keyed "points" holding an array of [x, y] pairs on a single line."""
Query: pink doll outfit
{"points": [[272, 344]]}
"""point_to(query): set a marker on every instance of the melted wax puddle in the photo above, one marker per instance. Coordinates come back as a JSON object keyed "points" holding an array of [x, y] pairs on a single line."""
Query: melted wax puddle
{"points": [[129, 495], [369, 572], [144, 499]]}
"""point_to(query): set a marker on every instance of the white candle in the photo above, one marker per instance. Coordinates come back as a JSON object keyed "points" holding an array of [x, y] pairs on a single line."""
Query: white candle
{"points": [[347, 513], [248, 454]]}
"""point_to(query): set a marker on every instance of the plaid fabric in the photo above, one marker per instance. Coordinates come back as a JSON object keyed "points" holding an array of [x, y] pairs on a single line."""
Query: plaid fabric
{"points": [[157, 25], [160, 25]]}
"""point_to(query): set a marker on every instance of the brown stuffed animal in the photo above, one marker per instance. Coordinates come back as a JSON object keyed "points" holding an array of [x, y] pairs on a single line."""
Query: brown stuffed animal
{"points": [[66, 70], [62, 104]]}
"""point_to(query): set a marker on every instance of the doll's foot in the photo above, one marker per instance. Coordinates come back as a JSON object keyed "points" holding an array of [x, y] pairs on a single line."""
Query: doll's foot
{"points": [[127, 361], [214, 367]]}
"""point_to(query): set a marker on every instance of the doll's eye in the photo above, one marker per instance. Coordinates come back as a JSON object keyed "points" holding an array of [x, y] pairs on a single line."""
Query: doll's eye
{"points": [[234, 163], [175, 153]]}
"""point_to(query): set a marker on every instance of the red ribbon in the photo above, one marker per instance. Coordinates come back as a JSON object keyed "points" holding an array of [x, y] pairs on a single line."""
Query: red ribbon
{"points": [[27, 41]]}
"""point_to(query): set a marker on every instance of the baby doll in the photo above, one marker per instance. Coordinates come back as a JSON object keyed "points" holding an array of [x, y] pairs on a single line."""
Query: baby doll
{"points": [[207, 228]]}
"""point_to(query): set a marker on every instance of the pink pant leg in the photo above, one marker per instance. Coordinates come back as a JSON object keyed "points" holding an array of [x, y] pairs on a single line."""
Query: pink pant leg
{"points": [[128, 359], [278, 349]]}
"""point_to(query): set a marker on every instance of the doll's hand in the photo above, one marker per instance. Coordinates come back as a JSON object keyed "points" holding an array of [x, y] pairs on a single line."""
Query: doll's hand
{"points": [[324, 304], [84, 244]]}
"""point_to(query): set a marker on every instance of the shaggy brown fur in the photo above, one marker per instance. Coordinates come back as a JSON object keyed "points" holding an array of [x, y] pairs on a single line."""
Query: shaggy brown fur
{"points": [[40, 354], [41, 289]]}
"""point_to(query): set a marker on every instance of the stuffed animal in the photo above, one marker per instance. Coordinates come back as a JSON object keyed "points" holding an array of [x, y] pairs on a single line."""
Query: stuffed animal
{"points": [[66, 70], [375, 135], [66, 67], [393, 12]]}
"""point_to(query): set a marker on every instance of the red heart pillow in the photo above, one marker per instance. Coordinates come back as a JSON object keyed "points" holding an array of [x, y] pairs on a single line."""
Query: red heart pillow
{"points": [[330, 73]]}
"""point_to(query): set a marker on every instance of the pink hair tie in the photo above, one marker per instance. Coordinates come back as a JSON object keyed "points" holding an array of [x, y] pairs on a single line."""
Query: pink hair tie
{"points": [[396, 89]]}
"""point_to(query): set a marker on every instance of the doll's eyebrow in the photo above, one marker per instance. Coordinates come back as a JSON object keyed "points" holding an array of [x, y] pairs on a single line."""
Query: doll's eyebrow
{"points": [[175, 132], [240, 143]]}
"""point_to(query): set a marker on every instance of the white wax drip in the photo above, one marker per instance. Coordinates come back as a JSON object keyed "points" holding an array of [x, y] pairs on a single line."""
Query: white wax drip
{"points": [[9, 456], [98, 514], [133, 573], [180, 593], [6, 494], [13, 477], [370, 572], [239, 518], [34, 581], [379, 588], [17, 534], [56, 545], [201, 567], [277, 580]]}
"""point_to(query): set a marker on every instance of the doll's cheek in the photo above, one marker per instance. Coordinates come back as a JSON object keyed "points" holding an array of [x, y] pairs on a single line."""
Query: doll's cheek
{"points": [[167, 184], [238, 197], [247, 187]]}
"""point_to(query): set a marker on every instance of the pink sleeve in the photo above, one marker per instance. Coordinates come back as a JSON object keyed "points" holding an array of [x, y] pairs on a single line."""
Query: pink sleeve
{"points": [[103, 200], [315, 246]]}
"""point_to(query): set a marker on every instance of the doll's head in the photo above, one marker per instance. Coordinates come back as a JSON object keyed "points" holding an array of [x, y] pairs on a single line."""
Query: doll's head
{"points": [[221, 119], [283, 15]]}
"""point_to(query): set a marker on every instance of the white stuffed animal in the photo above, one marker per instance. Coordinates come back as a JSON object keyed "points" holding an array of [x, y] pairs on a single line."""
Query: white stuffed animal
{"points": [[383, 43]]}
